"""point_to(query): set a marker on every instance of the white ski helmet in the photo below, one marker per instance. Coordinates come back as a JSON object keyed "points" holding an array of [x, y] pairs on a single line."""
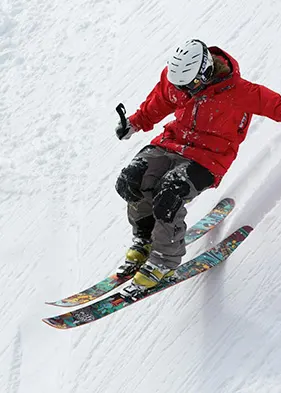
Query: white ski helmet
{"points": [[191, 65]]}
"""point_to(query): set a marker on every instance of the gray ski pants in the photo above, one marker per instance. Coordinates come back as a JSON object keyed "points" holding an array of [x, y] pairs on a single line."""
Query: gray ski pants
{"points": [[157, 184]]}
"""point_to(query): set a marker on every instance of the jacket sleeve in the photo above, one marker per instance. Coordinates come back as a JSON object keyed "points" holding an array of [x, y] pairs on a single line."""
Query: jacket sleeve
{"points": [[257, 99], [156, 107]]}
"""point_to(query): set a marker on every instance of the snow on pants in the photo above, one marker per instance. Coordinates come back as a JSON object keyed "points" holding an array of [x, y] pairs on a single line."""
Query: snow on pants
{"points": [[156, 184]]}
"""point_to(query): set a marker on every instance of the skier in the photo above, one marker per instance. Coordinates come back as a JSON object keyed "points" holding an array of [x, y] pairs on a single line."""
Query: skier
{"points": [[213, 108]]}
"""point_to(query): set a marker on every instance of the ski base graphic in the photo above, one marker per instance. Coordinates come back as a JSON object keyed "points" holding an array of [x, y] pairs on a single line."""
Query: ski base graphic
{"points": [[116, 302], [207, 223]]}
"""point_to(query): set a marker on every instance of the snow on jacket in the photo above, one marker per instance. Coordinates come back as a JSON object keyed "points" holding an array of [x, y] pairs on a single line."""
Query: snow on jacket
{"points": [[209, 126]]}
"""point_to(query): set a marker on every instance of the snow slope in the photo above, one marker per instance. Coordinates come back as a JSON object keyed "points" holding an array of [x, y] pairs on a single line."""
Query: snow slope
{"points": [[64, 66]]}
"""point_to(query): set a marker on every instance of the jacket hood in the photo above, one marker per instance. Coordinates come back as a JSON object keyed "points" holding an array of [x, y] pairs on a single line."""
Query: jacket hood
{"points": [[226, 82], [235, 70]]}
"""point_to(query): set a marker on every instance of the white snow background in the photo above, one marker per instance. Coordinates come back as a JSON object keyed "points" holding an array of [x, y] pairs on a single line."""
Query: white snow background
{"points": [[64, 66]]}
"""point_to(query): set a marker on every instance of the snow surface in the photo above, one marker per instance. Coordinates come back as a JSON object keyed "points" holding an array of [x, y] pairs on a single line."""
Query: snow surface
{"points": [[64, 66]]}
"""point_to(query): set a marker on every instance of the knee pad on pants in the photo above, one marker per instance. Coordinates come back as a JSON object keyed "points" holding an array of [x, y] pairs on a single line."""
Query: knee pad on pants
{"points": [[167, 202], [184, 182], [129, 181]]}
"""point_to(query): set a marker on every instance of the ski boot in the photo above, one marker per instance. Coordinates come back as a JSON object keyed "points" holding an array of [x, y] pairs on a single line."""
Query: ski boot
{"points": [[147, 278], [136, 256]]}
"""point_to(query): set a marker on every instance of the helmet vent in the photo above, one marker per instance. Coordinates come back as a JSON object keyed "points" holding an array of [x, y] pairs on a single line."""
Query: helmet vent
{"points": [[188, 64]]}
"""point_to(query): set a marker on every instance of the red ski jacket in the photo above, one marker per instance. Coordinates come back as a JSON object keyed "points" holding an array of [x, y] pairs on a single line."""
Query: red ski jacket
{"points": [[209, 126]]}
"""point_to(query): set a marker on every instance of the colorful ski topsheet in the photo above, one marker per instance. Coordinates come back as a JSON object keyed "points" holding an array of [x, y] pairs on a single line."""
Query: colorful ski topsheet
{"points": [[187, 270], [213, 218], [210, 221]]}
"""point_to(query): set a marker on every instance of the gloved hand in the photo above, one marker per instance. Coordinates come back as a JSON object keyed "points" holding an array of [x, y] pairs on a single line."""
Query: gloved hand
{"points": [[125, 132]]}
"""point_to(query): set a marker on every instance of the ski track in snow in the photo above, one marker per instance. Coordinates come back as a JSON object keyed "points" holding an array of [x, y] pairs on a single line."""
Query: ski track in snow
{"points": [[14, 378], [64, 67]]}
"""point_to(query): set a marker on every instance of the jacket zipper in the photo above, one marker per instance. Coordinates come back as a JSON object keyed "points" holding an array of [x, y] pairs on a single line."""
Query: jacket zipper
{"points": [[193, 122], [195, 112]]}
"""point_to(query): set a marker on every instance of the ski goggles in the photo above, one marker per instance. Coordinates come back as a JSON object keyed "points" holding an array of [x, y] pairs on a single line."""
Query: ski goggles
{"points": [[195, 85]]}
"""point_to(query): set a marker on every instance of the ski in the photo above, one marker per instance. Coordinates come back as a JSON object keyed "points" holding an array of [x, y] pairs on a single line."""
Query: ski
{"points": [[116, 302], [203, 226]]}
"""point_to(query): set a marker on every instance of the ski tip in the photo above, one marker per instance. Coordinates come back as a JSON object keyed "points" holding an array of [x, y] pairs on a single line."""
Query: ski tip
{"points": [[60, 303], [49, 322], [231, 201], [244, 231], [51, 303], [247, 228]]}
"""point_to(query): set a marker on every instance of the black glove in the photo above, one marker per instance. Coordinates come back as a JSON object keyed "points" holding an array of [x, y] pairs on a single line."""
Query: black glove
{"points": [[125, 133], [124, 130]]}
